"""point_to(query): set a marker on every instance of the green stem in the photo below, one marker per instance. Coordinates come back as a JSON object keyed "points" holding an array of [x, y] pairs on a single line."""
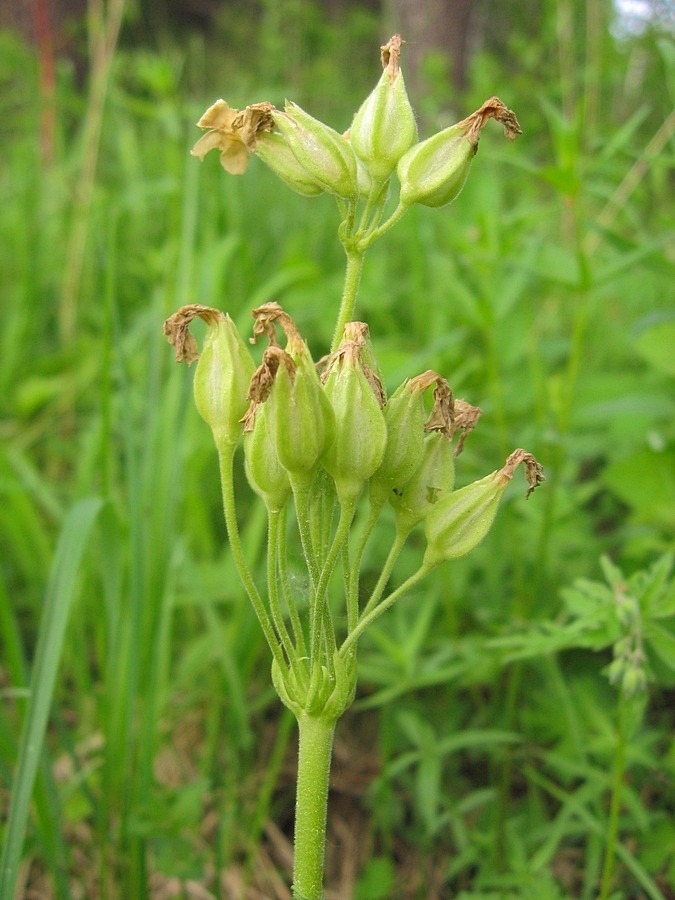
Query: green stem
{"points": [[225, 459], [376, 233], [615, 803], [316, 746], [370, 617], [301, 494], [322, 623], [349, 292], [287, 591], [386, 571], [273, 589], [353, 568]]}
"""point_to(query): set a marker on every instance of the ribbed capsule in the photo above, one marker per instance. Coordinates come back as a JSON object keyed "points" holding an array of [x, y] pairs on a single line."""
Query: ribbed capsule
{"points": [[268, 478], [404, 415], [223, 371], [360, 430], [432, 480], [434, 171], [325, 154], [460, 520], [274, 151], [384, 127], [302, 419]]}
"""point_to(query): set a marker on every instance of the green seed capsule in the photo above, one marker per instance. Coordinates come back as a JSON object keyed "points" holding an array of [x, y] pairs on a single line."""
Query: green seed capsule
{"points": [[434, 171], [384, 127], [360, 430], [303, 424], [461, 520], [325, 154], [223, 372], [433, 479], [274, 151], [404, 415], [266, 475]]}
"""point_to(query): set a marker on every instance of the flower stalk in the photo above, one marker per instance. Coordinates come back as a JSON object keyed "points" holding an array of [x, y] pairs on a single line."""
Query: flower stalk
{"points": [[330, 442]]}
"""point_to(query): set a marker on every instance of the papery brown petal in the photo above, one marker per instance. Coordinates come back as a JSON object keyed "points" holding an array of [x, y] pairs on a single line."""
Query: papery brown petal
{"points": [[443, 412], [176, 329], [466, 418], [534, 471], [491, 109], [266, 315], [390, 55]]}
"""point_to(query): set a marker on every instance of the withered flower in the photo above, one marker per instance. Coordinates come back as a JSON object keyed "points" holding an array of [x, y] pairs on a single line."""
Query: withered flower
{"points": [[233, 132]]}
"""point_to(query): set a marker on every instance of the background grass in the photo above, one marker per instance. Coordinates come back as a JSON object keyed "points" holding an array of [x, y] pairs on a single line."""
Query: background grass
{"points": [[483, 743]]}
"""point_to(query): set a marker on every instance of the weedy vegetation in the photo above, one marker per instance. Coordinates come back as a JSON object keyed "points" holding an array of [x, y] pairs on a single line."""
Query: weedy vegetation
{"points": [[511, 733]]}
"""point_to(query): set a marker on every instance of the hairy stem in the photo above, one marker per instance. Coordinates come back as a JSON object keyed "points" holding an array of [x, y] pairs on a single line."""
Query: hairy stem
{"points": [[225, 459], [349, 292], [314, 755], [370, 617]]}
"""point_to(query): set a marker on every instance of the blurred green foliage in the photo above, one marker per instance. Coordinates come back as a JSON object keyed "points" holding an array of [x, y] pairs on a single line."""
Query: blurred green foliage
{"points": [[544, 294]]}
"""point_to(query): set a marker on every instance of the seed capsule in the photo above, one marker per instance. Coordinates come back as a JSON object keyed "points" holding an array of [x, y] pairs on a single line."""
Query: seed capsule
{"points": [[325, 154], [384, 127], [360, 430], [460, 521], [223, 372], [268, 478], [274, 151], [432, 480], [303, 423], [404, 415], [434, 171]]}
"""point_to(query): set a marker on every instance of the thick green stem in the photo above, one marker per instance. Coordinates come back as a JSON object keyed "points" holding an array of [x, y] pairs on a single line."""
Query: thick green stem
{"points": [[316, 746], [349, 292]]}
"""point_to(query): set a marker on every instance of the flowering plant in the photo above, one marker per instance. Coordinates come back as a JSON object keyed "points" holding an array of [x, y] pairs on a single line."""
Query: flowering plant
{"points": [[320, 439]]}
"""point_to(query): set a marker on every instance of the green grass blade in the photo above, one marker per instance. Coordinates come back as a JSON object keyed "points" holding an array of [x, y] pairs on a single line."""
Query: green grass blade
{"points": [[59, 595]]}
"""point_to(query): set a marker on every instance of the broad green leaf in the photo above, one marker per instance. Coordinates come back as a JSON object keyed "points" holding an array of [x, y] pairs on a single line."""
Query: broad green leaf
{"points": [[656, 344], [662, 642]]}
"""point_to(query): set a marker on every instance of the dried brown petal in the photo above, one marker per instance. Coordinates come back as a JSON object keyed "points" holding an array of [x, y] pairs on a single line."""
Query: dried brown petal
{"points": [[466, 418], [265, 316], [443, 411], [252, 121], [534, 472], [176, 329], [353, 347], [390, 55], [491, 109], [263, 380]]}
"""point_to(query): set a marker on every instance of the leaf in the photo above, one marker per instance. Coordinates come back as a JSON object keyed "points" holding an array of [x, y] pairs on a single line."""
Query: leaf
{"points": [[58, 600], [646, 481], [662, 643], [655, 345]]}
